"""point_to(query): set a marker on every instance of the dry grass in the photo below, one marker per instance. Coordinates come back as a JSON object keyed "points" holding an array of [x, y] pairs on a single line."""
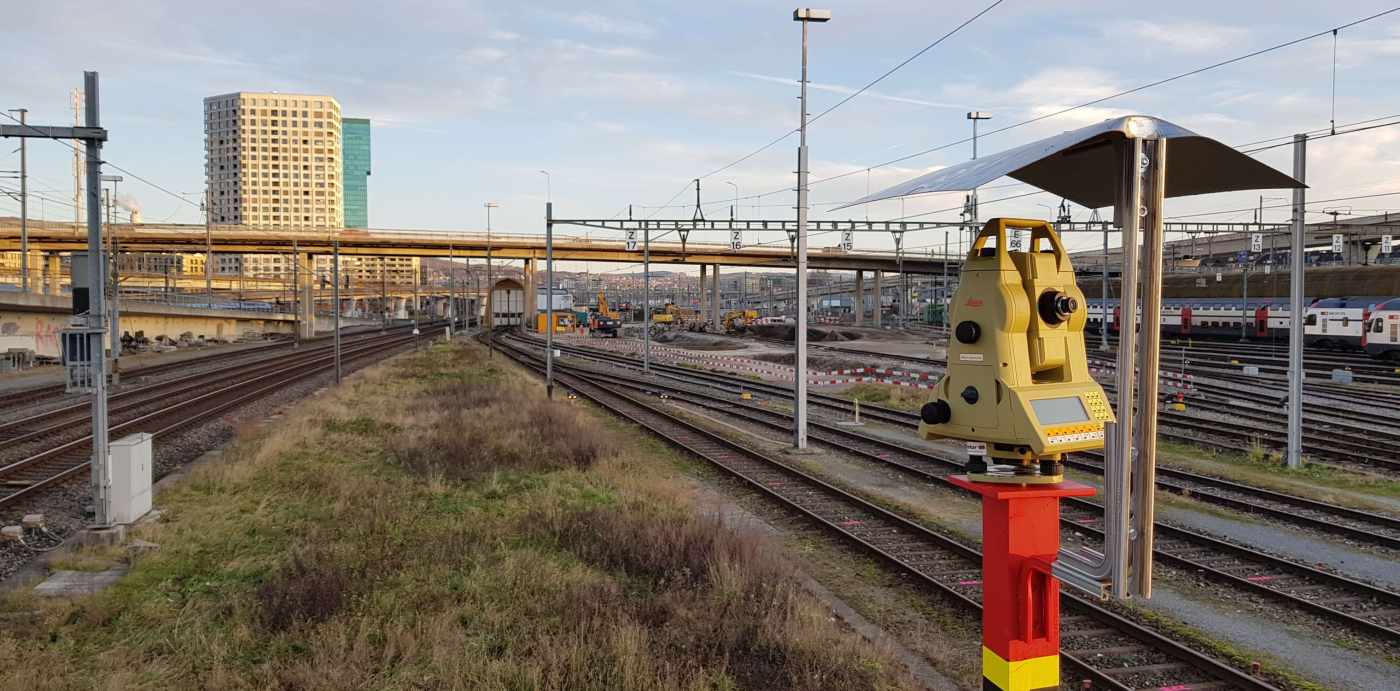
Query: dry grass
{"points": [[470, 431], [897, 397], [382, 537]]}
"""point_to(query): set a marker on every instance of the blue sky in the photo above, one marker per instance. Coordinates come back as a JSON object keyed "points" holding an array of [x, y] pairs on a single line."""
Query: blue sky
{"points": [[624, 102]]}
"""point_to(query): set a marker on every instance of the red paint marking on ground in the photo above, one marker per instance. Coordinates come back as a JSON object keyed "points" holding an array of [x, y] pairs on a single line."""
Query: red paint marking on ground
{"points": [[1260, 579], [1174, 687], [971, 582], [849, 523]]}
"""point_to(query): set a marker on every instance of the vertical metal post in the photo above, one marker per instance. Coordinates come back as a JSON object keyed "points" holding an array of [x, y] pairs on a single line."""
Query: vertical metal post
{"points": [[208, 245], [96, 307], [23, 207], [1244, 295], [335, 300], [646, 297], [1103, 294], [944, 297], [383, 297], [549, 299], [1153, 191], [490, 287], [1119, 450], [296, 295], [1295, 294], [799, 401]]}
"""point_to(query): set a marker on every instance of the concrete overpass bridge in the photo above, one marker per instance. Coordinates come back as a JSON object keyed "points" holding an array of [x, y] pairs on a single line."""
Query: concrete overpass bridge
{"points": [[1221, 245], [228, 239]]}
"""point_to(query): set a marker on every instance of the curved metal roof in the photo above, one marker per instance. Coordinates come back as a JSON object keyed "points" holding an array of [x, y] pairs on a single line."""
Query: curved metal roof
{"points": [[1080, 165]]}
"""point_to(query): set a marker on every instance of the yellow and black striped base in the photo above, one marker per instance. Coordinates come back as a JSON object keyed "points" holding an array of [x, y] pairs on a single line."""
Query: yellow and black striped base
{"points": [[1035, 674]]}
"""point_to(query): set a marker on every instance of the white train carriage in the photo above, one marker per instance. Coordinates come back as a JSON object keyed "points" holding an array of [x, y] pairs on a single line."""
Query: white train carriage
{"points": [[506, 306], [1337, 323], [1383, 331]]}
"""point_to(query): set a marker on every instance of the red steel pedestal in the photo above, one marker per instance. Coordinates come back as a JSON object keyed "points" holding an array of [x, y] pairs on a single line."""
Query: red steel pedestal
{"points": [[1020, 598]]}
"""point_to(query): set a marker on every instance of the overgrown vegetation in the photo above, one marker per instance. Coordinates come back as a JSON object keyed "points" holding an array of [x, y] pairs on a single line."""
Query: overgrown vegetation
{"points": [[436, 524], [888, 395]]}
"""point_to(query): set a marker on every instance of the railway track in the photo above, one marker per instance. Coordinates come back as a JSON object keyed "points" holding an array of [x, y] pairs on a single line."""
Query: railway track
{"points": [[1334, 432], [9, 399], [1359, 526], [1098, 645], [1364, 608], [175, 409]]}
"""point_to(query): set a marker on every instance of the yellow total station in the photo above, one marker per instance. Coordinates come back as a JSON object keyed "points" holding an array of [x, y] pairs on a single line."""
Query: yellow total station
{"points": [[1018, 379]]}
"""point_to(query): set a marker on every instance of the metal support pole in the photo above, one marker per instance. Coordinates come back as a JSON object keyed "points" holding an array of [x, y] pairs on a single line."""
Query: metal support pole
{"points": [[646, 297], [101, 476], [1154, 176], [208, 245], [799, 408], [490, 287], [296, 296], [335, 300], [549, 299], [23, 207], [1244, 295], [1295, 294], [1103, 295]]}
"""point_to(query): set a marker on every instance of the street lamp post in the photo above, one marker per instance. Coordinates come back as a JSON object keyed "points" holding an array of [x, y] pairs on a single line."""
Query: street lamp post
{"points": [[548, 184], [734, 212], [805, 16]]}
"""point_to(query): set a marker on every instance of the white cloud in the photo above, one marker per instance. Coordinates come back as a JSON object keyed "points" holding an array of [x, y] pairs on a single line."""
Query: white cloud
{"points": [[503, 35], [598, 23], [485, 54], [568, 50], [1182, 37]]}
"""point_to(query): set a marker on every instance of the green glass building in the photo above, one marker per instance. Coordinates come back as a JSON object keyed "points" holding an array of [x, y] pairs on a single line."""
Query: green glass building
{"points": [[354, 147]]}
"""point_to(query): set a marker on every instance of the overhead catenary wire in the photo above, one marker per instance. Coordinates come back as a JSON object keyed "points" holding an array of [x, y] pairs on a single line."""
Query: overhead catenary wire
{"points": [[1119, 94], [110, 164], [857, 92]]}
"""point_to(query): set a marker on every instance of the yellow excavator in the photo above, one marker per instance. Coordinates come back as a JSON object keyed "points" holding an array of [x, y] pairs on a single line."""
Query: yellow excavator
{"points": [[604, 322]]}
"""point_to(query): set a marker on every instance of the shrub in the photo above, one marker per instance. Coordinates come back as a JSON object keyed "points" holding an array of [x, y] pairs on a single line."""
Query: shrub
{"points": [[304, 591]]}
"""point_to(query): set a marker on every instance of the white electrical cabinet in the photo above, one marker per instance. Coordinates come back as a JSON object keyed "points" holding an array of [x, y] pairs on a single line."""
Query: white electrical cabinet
{"points": [[130, 470]]}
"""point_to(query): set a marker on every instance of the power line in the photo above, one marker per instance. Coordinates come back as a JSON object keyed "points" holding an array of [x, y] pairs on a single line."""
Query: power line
{"points": [[907, 60], [1120, 94], [856, 93], [1288, 205], [108, 163], [1321, 130], [1333, 133]]}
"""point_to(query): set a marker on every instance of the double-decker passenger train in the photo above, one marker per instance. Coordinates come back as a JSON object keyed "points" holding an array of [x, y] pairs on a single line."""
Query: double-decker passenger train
{"points": [[1351, 323]]}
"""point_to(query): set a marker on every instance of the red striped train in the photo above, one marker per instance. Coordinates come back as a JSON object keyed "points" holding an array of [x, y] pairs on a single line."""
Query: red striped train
{"points": [[1354, 323]]}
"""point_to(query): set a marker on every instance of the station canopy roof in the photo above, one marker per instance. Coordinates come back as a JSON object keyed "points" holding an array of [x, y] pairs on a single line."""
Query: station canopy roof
{"points": [[1080, 165]]}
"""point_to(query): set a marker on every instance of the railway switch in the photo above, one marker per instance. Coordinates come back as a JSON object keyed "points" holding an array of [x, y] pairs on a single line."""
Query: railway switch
{"points": [[1018, 377]]}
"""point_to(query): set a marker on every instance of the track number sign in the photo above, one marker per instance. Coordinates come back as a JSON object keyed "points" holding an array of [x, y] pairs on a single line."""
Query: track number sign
{"points": [[631, 241]]}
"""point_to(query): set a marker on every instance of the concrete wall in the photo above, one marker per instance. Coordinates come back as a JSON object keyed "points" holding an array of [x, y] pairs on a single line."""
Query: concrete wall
{"points": [[34, 322]]}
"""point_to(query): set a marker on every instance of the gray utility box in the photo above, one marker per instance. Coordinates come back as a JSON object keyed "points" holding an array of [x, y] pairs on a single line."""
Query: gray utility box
{"points": [[130, 481]]}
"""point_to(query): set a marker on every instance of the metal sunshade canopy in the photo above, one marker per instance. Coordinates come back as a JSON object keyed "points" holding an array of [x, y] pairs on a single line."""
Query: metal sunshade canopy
{"points": [[1080, 165]]}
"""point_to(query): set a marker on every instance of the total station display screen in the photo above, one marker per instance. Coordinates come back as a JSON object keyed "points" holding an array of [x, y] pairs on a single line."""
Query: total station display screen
{"points": [[1059, 411]]}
